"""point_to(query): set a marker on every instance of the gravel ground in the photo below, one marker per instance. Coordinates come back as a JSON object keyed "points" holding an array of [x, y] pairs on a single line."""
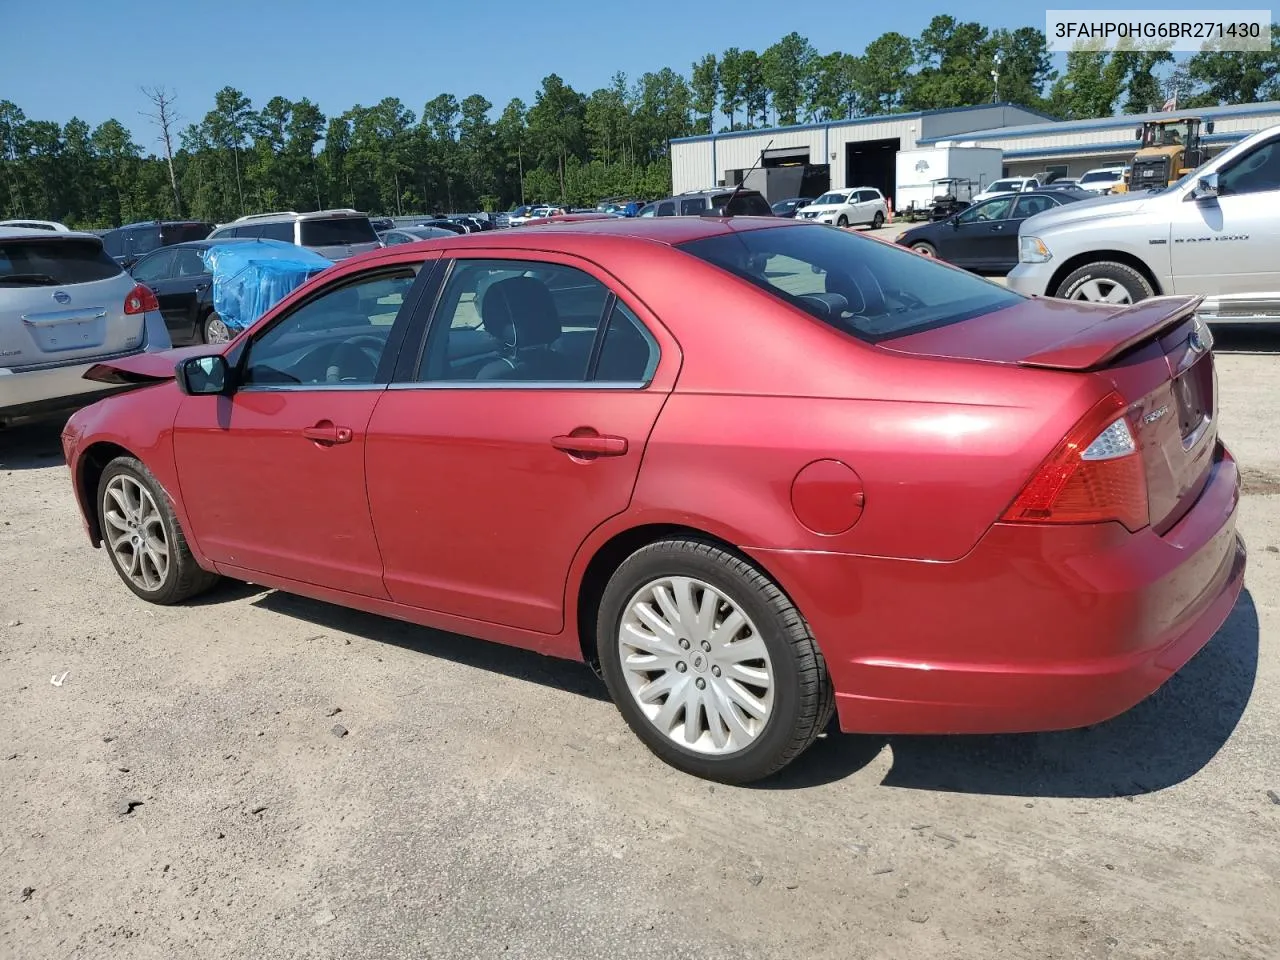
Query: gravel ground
{"points": [[263, 776]]}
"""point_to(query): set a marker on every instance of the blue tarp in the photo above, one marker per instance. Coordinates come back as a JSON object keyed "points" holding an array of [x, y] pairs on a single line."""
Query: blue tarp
{"points": [[252, 276]]}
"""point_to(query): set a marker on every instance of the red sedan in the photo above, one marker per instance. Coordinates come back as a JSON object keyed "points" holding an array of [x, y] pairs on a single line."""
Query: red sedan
{"points": [[752, 470]]}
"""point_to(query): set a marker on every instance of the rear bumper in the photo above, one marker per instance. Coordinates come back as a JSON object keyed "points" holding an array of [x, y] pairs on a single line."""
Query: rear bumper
{"points": [[1036, 629], [56, 388]]}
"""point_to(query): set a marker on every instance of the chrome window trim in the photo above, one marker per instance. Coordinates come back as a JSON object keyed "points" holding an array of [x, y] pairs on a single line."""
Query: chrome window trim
{"points": [[295, 387], [521, 385]]}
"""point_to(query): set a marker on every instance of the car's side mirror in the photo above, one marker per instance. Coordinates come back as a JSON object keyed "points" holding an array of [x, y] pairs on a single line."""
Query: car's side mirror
{"points": [[204, 376], [1206, 187]]}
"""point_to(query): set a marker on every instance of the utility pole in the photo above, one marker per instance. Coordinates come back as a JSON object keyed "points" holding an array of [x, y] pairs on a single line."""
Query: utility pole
{"points": [[995, 76], [164, 118]]}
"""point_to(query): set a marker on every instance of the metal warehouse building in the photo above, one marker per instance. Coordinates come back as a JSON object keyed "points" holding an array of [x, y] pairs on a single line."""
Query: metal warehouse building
{"points": [[861, 152]]}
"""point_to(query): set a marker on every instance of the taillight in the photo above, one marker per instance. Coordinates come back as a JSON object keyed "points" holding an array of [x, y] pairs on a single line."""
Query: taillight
{"points": [[1095, 475], [140, 300]]}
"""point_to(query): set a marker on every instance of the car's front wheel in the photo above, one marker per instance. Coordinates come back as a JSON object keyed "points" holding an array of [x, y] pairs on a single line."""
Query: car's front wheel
{"points": [[1105, 282], [143, 538], [924, 249], [842, 221], [709, 663]]}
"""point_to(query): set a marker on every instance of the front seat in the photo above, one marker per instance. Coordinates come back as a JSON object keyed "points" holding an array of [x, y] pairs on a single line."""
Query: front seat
{"points": [[521, 315]]}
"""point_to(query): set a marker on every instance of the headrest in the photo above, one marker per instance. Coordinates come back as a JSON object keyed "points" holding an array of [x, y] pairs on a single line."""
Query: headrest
{"points": [[519, 312]]}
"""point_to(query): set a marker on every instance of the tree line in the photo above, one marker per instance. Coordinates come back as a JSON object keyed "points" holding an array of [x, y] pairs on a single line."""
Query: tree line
{"points": [[566, 146]]}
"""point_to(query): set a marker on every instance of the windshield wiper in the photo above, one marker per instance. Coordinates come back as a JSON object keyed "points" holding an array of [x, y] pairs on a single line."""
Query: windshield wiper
{"points": [[28, 279]]}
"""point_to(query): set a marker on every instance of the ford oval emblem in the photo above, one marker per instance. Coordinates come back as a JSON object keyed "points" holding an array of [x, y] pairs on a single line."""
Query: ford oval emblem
{"points": [[62, 296]]}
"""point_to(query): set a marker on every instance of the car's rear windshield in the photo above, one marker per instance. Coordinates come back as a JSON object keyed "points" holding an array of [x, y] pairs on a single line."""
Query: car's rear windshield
{"points": [[1005, 185], [54, 262], [183, 232], [745, 204], [1096, 175], [867, 288], [337, 232]]}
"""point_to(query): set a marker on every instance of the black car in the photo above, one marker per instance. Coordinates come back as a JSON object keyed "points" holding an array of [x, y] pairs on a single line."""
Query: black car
{"points": [[984, 237], [127, 244], [177, 275], [380, 224], [788, 208], [401, 235]]}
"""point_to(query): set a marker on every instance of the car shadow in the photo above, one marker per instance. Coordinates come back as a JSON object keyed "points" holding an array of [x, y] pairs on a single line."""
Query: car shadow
{"points": [[1245, 338], [32, 446], [568, 675], [1164, 740]]}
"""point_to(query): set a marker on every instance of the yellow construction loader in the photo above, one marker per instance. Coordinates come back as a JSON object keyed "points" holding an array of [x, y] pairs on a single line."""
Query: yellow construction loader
{"points": [[1170, 147]]}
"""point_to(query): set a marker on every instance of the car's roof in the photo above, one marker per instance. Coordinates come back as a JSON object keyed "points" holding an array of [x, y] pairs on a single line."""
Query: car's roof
{"points": [[19, 233], [584, 237], [206, 243]]}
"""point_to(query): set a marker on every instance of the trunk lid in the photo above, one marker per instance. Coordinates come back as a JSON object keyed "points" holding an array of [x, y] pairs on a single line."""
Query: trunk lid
{"points": [[1156, 353], [62, 301]]}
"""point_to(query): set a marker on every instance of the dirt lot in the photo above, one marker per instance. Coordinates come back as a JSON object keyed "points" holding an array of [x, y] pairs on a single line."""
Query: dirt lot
{"points": [[183, 792]]}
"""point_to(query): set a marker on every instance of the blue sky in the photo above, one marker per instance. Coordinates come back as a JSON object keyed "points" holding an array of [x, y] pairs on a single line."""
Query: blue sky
{"points": [[87, 58]]}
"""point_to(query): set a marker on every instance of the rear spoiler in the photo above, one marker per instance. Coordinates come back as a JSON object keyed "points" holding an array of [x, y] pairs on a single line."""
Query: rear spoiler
{"points": [[1113, 335]]}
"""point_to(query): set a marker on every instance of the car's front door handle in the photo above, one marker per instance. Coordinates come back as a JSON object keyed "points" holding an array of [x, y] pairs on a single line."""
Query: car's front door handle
{"points": [[326, 433], [600, 446]]}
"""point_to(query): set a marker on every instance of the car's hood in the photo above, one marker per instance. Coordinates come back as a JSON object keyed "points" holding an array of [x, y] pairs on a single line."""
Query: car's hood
{"points": [[1109, 206], [145, 367]]}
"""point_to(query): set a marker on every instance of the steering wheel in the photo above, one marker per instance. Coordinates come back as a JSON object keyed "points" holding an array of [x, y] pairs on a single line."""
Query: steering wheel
{"points": [[354, 360]]}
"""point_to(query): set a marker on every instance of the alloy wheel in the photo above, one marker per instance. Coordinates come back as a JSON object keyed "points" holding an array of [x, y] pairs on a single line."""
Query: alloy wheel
{"points": [[135, 532], [696, 665], [216, 330], [1102, 290]]}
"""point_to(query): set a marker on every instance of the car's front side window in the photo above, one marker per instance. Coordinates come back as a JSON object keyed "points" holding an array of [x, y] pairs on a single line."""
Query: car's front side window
{"points": [[156, 266], [337, 338], [1256, 172]]}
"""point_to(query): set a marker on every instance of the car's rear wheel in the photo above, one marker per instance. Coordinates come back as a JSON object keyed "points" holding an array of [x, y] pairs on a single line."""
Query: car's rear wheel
{"points": [[143, 538], [924, 249], [877, 221], [843, 221], [216, 329], [1105, 282], [709, 663]]}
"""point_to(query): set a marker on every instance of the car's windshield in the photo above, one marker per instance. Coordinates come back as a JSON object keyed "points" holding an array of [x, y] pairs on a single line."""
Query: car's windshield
{"points": [[1005, 185], [829, 198], [864, 287], [1094, 176]]}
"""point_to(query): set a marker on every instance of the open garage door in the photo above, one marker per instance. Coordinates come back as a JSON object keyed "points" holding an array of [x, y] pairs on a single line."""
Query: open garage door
{"points": [[873, 163]]}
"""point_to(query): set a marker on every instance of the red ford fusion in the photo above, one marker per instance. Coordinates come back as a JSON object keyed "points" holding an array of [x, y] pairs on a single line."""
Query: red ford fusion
{"points": [[753, 471]]}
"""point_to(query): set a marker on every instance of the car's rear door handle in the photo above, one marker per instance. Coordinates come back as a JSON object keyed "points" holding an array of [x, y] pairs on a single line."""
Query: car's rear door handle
{"points": [[327, 433], [601, 446]]}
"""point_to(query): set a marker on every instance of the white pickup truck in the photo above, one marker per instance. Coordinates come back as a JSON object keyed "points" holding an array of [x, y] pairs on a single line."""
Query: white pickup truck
{"points": [[1214, 233]]}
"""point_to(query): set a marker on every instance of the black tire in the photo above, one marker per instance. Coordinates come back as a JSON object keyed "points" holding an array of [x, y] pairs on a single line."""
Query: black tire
{"points": [[877, 221], [212, 320], [924, 249], [843, 221], [1107, 272], [184, 578], [804, 699]]}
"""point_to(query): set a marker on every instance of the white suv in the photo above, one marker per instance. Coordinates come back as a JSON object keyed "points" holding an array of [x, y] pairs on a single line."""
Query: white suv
{"points": [[1101, 179], [848, 208], [64, 306], [335, 234]]}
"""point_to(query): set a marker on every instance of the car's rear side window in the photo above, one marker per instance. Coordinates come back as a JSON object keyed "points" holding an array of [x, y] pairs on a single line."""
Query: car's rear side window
{"points": [[336, 232], [864, 287], [54, 263]]}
